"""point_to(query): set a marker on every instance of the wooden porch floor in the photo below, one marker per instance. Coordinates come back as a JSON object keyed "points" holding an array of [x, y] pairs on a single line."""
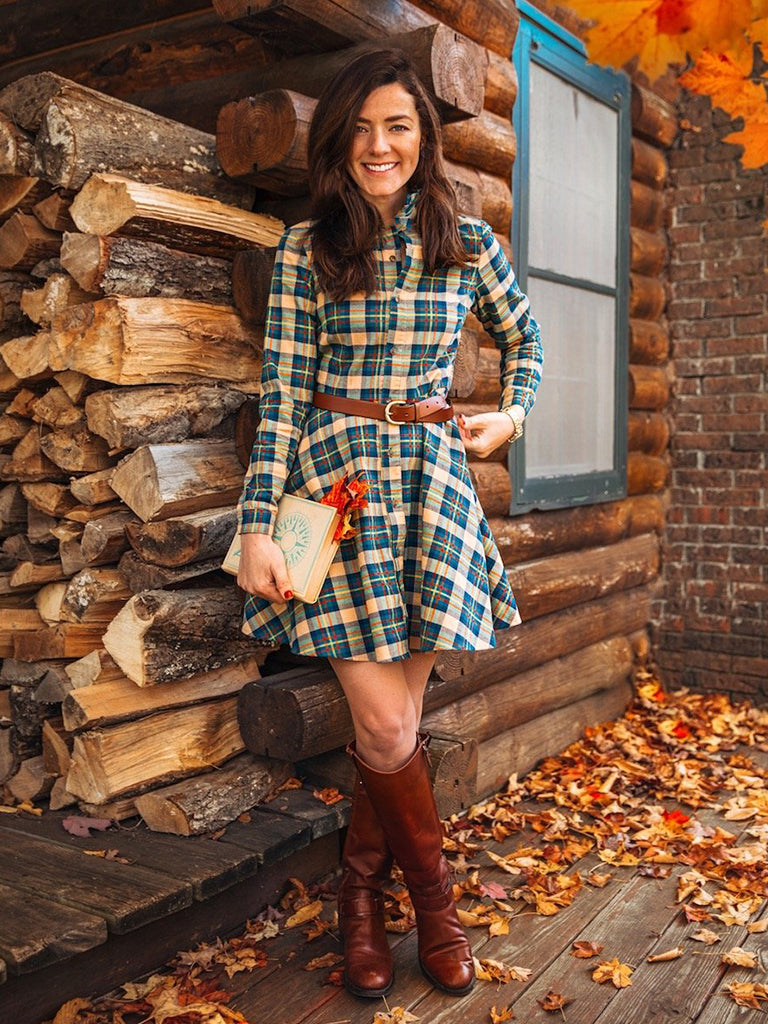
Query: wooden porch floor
{"points": [[635, 915]]}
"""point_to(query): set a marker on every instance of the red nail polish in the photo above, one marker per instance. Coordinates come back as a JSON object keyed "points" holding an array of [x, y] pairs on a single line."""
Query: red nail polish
{"points": [[288, 594]]}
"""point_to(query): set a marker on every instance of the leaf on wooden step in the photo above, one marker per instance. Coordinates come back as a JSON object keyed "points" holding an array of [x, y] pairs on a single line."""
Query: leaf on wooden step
{"points": [[747, 993], [669, 954], [397, 1015], [68, 1012], [327, 960], [329, 795], [498, 1016], [705, 935], [487, 969], [553, 1002], [738, 957], [80, 825], [614, 971], [757, 926], [598, 880], [305, 913], [584, 950]]}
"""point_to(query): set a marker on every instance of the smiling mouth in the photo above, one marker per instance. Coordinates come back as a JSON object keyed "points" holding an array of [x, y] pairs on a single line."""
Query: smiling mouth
{"points": [[379, 168]]}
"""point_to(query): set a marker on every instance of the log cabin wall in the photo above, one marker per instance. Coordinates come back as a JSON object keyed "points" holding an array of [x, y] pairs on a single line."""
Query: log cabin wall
{"points": [[585, 577]]}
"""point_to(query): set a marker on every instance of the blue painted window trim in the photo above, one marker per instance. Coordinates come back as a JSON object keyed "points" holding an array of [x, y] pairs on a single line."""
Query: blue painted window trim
{"points": [[542, 40]]}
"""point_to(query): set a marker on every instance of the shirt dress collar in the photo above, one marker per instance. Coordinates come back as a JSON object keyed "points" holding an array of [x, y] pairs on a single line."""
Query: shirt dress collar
{"points": [[404, 216]]}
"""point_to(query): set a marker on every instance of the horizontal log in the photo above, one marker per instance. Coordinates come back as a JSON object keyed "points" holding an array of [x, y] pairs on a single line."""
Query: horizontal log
{"points": [[301, 713], [53, 211], [213, 800], [452, 770], [59, 291], [28, 356], [103, 539], [28, 462], [80, 130], [17, 150], [496, 195], [648, 387], [163, 635], [17, 620], [117, 700], [520, 749], [649, 164], [648, 342], [646, 473], [451, 66], [136, 267], [648, 252], [646, 208], [132, 757], [156, 341], [21, 194], [141, 575], [24, 242], [648, 432], [493, 23], [251, 280], [653, 117], [66, 640], [646, 297], [528, 695], [12, 285], [94, 595], [159, 481], [76, 450], [93, 488], [129, 418], [191, 538], [487, 141], [109, 203], [501, 85], [56, 409]]}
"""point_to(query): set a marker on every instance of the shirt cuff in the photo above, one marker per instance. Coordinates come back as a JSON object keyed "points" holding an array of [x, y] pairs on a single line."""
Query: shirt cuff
{"points": [[256, 520]]}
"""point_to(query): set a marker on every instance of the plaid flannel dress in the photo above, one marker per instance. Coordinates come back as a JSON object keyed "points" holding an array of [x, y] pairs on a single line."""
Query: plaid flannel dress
{"points": [[423, 571]]}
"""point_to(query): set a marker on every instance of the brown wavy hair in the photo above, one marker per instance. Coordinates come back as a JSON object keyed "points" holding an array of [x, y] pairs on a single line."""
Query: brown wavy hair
{"points": [[346, 226]]}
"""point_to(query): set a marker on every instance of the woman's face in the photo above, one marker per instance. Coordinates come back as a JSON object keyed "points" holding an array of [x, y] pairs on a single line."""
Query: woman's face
{"points": [[385, 146]]}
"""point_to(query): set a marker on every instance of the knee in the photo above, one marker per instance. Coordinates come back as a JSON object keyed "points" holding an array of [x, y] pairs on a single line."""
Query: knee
{"points": [[390, 737]]}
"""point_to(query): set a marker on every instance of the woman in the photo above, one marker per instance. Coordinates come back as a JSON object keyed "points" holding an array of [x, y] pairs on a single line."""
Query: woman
{"points": [[367, 303]]}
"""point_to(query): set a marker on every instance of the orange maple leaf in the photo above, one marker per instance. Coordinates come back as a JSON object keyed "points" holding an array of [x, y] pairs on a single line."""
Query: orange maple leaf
{"points": [[725, 77]]}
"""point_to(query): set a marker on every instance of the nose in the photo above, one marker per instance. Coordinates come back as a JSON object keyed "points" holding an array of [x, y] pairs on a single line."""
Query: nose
{"points": [[378, 141]]}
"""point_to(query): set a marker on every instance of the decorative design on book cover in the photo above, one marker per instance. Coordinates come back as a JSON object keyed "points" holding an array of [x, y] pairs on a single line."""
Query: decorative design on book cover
{"points": [[308, 533]]}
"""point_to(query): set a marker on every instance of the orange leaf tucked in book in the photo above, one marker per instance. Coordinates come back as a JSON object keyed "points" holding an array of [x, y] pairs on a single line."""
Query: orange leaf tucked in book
{"points": [[346, 495]]}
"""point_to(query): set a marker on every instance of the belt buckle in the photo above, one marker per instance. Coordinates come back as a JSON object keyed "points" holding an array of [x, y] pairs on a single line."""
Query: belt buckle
{"points": [[388, 406]]}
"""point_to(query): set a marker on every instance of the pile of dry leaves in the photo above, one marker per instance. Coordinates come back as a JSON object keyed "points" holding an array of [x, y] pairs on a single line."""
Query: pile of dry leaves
{"points": [[604, 795]]}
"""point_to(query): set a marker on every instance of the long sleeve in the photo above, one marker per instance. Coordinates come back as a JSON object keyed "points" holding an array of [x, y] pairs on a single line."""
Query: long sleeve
{"points": [[504, 312], [287, 383]]}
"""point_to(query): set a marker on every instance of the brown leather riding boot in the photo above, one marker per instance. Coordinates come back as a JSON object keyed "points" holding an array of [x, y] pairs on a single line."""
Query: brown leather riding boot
{"points": [[405, 805], [366, 863]]}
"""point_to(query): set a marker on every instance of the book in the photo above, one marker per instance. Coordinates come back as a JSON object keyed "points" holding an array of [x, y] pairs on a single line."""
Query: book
{"points": [[304, 530]]}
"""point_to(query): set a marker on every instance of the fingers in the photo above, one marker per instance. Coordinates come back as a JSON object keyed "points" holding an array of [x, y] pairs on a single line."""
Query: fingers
{"points": [[266, 576]]}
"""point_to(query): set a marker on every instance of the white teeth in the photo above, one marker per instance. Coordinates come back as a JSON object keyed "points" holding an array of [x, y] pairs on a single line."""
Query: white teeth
{"points": [[378, 167]]}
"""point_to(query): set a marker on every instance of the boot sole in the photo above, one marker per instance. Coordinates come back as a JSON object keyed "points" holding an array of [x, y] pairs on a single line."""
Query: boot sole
{"points": [[444, 988], [369, 993]]}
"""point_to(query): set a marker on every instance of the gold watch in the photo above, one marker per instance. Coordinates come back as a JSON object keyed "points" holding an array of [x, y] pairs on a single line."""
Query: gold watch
{"points": [[514, 415]]}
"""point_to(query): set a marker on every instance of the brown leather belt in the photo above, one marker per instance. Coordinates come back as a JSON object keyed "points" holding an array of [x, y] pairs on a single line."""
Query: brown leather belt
{"points": [[434, 409]]}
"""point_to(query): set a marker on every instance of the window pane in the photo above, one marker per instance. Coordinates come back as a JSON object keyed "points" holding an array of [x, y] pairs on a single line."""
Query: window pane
{"points": [[572, 423], [573, 154]]}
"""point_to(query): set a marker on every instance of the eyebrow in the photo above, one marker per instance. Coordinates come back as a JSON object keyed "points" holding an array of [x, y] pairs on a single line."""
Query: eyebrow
{"points": [[395, 117]]}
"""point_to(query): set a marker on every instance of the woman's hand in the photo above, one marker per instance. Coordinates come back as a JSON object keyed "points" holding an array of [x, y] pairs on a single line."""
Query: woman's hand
{"points": [[484, 433], [262, 568]]}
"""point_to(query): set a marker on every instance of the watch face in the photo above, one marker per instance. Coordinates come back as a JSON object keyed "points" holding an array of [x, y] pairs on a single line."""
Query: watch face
{"points": [[292, 533]]}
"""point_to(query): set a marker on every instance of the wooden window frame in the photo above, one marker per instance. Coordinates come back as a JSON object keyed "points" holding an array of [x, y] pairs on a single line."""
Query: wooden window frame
{"points": [[542, 40]]}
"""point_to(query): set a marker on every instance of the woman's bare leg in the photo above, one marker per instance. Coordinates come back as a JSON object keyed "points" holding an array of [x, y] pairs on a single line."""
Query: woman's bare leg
{"points": [[417, 671], [383, 710]]}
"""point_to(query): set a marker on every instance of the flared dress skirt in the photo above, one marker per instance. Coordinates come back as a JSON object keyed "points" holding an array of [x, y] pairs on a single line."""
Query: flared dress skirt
{"points": [[422, 571]]}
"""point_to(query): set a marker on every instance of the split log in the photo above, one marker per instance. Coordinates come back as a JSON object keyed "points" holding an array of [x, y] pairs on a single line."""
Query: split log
{"points": [[28, 357], [17, 150], [251, 279], [20, 194], [557, 683], [28, 462], [155, 341], [141, 575], [648, 387], [94, 488], [79, 131], [109, 203], [547, 584], [93, 595], [23, 402], [187, 539], [95, 667], [14, 621], [646, 297], [13, 509], [103, 539], [129, 418], [487, 141], [31, 781], [646, 473], [648, 342], [12, 285], [136, 756], [77, 385], [66, 640], [213, 800], [24, 241], [30, 574], [163, 635], [56, 409], [56, 747], [519, 749], [135, 267], [648, 432], [451, 66], [59, 291], [118, 700], [649, 164], [648, 252], [301, 713], [54, 685], [653, 117], [76, 450], [452, 769], [159, 481], [646, 208], [12, 429], [22, 549], [53, 211]]}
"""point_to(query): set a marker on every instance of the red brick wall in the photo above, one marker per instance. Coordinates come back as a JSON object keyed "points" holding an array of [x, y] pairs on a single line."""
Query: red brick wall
{"points": [[711, 624]]}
